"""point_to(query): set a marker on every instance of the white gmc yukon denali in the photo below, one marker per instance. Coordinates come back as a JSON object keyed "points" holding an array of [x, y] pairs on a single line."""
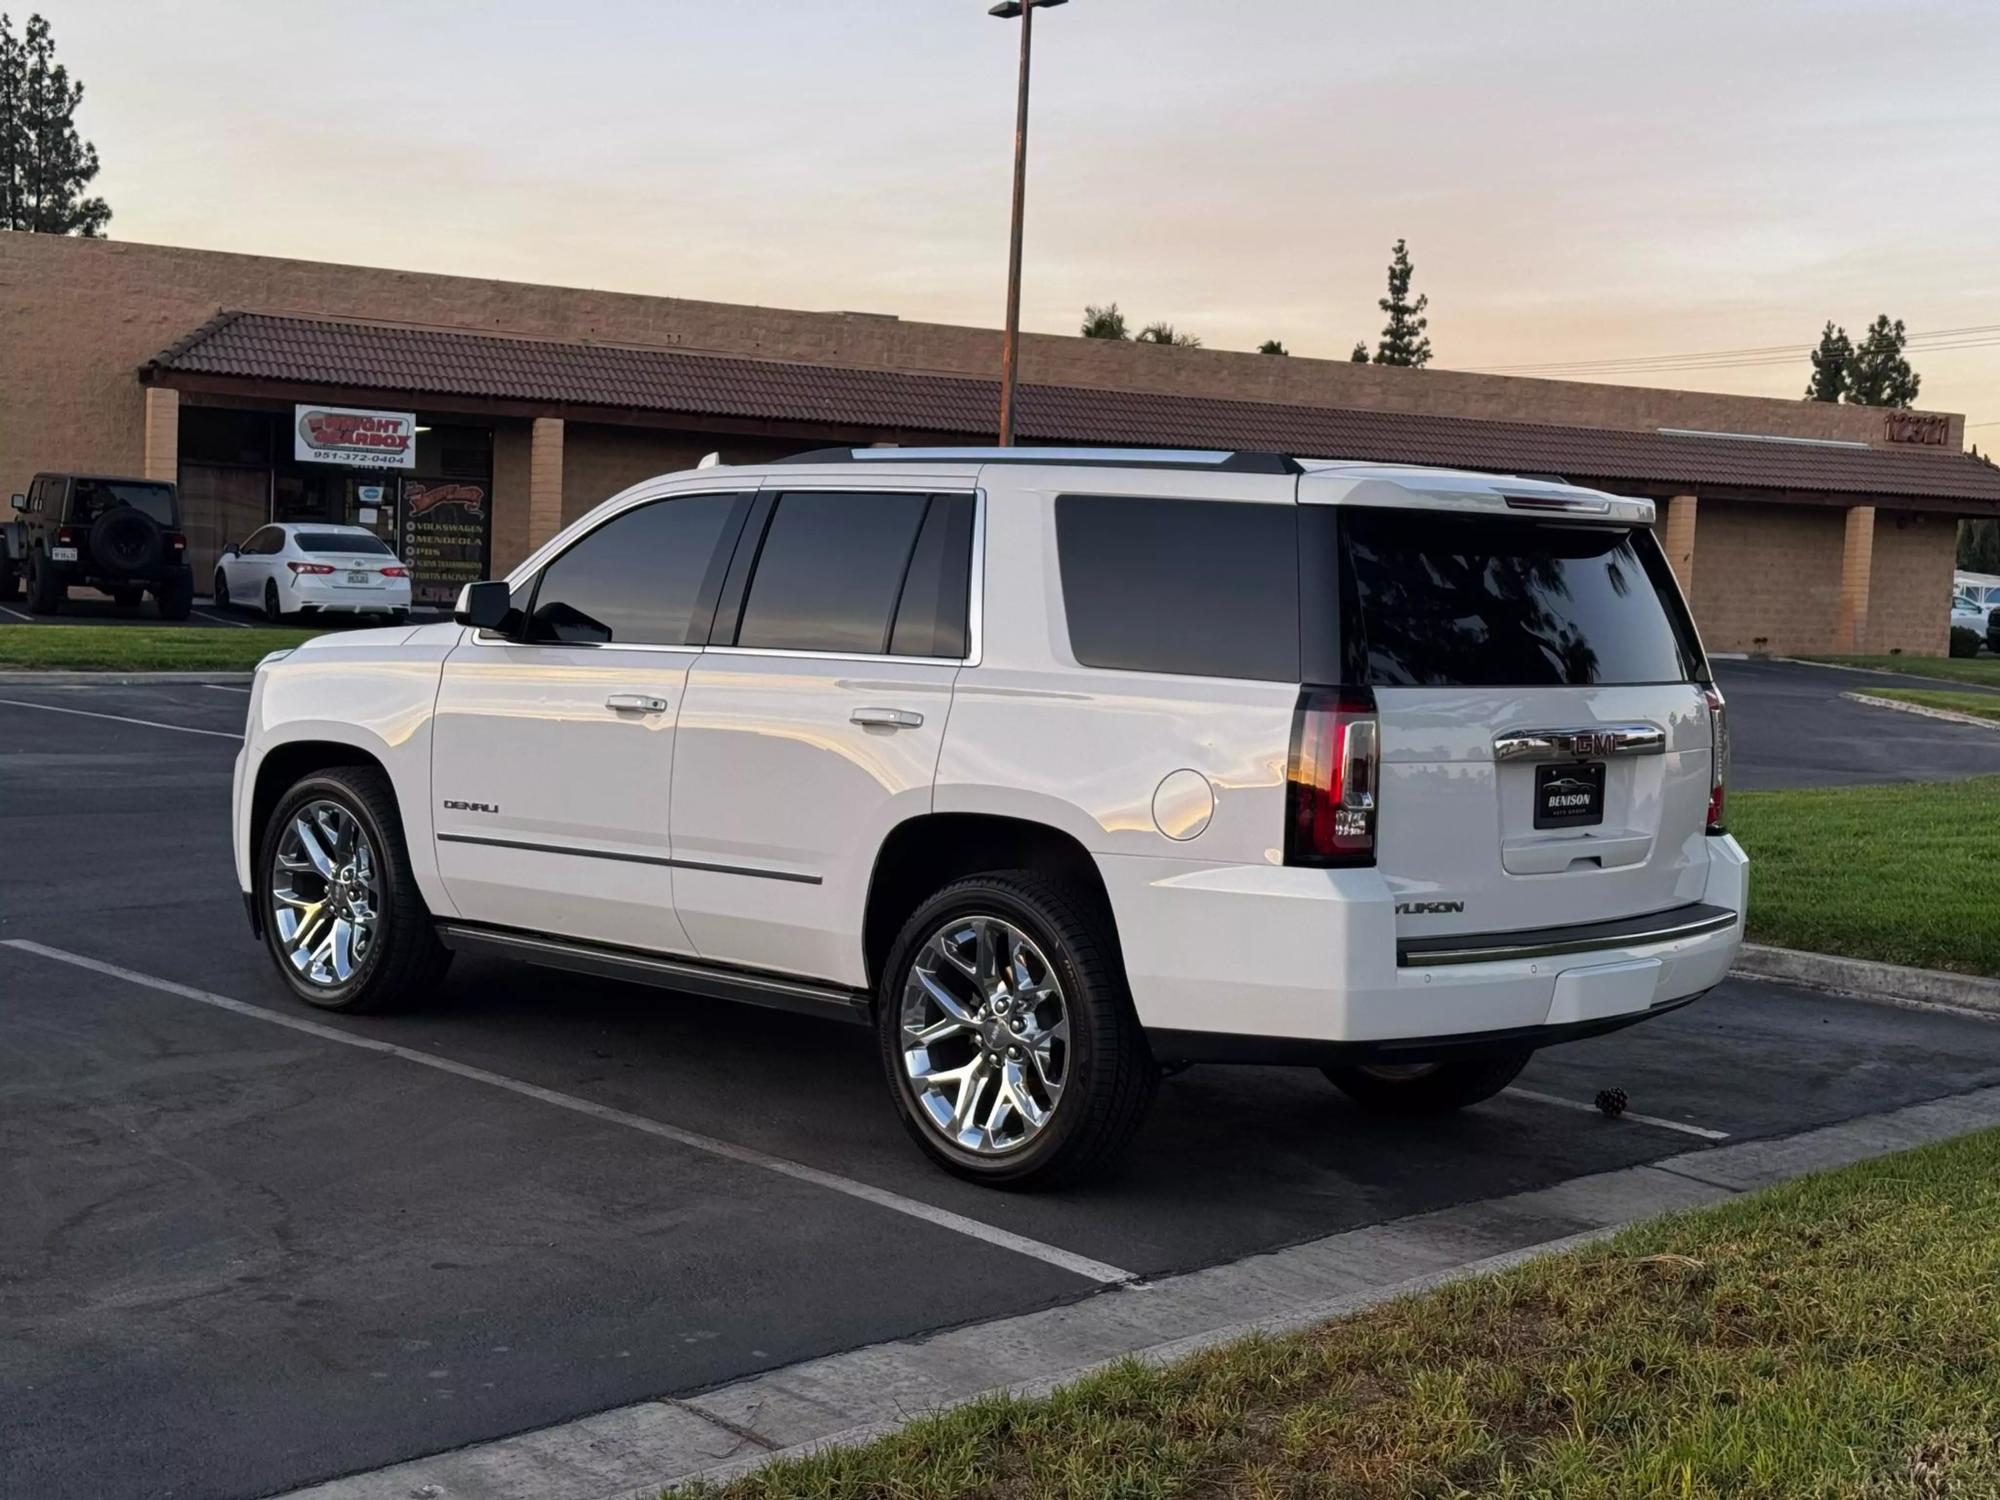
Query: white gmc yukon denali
{"points": [[1057, 767]]}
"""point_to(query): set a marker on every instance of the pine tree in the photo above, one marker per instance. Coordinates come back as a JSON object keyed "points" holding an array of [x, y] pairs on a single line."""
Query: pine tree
{"points": [[1105, 322], [1272, 346], [1878, 375], [1163, 333], [1403, 339], [1830, 362], [1360, 355], [44, 166], [1979, 546]]}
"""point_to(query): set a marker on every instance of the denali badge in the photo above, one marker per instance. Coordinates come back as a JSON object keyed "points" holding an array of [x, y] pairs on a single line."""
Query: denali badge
{"points": [[485, 807], [1428, 908]]}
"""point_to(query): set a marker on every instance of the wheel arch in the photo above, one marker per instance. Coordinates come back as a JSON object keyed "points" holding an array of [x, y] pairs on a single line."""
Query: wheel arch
{"points": [[279, 769], [923, 854]]}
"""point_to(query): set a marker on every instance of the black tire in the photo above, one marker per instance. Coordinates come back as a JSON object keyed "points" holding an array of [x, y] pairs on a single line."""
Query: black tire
{"points": [[271, 610], [399, 617], [1430, 1089], [10, 581], [1109, 1075], [127, 598], [176, 596], [221, 591], [45, 592], [405, 961], [125, 541]]}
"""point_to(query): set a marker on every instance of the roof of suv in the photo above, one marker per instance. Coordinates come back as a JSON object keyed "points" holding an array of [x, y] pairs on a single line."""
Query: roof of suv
{"points": [[1322, 481]]}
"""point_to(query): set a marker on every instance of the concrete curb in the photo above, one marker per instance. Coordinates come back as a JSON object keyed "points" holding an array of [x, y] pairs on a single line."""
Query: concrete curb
{"points": [[119, 679], [1931, 989], [861, 1394], [1923, 710]]}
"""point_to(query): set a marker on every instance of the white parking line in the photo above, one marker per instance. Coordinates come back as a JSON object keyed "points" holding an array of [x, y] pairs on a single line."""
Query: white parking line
{"points": [[1591, 1109], [84, 713], [15, 613], [223, 687], [223, 619], [1076, 1265]]}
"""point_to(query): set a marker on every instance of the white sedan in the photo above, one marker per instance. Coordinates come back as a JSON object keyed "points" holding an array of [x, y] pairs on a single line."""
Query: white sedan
{"points": [[307, 568], [1968, 613]]}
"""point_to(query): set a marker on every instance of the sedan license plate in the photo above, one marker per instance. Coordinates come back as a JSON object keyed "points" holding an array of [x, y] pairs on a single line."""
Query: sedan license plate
{"points": [[361, 578], [62, 554], [1569, 796]]}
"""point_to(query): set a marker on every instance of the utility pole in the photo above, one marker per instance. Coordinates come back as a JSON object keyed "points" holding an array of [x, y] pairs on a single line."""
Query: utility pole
{"points": [[1010, 349]]}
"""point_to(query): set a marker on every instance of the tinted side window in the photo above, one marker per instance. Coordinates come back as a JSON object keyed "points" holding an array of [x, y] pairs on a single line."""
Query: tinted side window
{"points": [[1209, 588], [1453, 601], [830, 571], [637, 580], [931, 618]]}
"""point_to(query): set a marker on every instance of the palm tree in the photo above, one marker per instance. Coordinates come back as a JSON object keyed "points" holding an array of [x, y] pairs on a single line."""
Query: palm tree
{"points": [[1105, 322], [1163, 333]]}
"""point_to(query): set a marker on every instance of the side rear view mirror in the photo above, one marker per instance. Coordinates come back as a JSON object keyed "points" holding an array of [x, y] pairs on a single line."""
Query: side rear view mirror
{"points": [[488, 606], [232, 550], [20, 502]]}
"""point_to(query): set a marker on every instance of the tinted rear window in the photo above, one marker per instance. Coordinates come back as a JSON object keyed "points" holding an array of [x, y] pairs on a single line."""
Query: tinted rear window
{"points": [[352, 542], [831, 569], [1209, 588], [93, 497], [1451, 601]]}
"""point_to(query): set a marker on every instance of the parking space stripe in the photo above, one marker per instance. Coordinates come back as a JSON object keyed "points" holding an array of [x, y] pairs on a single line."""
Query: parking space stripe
{"points": [[1076, 1265], [15, 613], [84, 713], [1654, 1120], [223, 687], [223, 620]]}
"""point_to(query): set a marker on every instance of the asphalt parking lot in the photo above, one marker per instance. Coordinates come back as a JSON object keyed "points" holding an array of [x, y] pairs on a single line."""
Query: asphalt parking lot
{"points": [[239, 1255]]}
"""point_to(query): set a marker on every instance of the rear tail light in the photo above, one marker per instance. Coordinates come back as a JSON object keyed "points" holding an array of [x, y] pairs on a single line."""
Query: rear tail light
{"points": [[299, 567], [395, 572], [1331, 780], [65, 537], [176, 542], [1718, 740]]}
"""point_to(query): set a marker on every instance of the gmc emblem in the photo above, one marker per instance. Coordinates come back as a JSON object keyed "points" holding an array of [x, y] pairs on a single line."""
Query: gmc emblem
{"points": [[1587, 743]]}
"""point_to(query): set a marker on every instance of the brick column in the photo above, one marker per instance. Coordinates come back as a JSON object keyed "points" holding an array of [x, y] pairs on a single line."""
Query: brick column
{"points": [[545, 480], [1857, 570], [163, 434], [1677, 539]]}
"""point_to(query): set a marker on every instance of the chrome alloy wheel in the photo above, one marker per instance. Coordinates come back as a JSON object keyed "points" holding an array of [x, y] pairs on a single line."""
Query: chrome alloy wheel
{"points": [[325, 894], [985, 1035]]}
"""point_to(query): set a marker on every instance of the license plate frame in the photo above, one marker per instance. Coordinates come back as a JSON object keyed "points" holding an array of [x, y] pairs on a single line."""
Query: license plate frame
{"points": [[62, 554], [359, 580], [1569, 794]]}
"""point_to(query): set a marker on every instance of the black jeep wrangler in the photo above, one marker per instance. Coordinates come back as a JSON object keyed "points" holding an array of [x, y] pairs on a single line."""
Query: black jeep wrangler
{"points": [[84, 530]]}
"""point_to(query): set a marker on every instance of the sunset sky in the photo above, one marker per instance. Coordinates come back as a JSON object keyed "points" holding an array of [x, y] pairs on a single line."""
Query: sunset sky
{"points": [[1577, 181]]}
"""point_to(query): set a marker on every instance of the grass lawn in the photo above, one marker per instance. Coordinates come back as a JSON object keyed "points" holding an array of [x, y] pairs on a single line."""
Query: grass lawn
{"points": [[1981, 705], [139, 648], [1835, 1336], [1905, 874], [1982, 670]]}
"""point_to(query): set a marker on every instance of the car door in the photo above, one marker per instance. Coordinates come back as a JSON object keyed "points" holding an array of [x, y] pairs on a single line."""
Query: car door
{"points": [[247, 571], [552, 755], [812, 724]]}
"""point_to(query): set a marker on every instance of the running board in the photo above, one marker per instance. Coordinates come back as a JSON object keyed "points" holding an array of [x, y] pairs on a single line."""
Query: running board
{"points": [[690, 976]]}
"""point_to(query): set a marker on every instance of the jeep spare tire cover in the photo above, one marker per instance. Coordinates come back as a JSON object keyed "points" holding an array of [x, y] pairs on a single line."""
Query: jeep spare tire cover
{"points": [[125, 540]]}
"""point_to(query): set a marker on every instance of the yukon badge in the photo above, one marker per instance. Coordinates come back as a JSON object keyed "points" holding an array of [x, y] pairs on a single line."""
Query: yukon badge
{"points": [[1428, 908], [485, 807]]}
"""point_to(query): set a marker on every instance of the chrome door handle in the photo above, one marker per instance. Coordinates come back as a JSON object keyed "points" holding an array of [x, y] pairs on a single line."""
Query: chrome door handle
{"points": [[892, 718], [636, 702]]}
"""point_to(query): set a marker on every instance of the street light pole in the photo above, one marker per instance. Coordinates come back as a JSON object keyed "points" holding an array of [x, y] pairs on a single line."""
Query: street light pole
{"points": [[1010, 348]]}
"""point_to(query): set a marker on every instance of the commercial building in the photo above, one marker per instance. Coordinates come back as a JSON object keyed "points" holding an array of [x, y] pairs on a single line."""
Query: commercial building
{"points": [[467, 420]]}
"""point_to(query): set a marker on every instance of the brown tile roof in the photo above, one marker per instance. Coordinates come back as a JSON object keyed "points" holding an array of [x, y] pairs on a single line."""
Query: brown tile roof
{"points": [[440, 362]]}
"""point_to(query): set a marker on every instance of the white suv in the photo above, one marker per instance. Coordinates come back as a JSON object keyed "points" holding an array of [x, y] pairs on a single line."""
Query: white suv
{"points": [[1057, 767]]}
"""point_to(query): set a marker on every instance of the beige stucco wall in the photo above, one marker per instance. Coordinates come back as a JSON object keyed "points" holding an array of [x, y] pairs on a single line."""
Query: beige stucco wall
{"points": [[1909, 596], [1767, 577]]}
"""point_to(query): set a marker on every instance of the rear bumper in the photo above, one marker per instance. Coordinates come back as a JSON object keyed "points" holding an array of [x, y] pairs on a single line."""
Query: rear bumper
{"points": [[1267, 964], [332, 599]]}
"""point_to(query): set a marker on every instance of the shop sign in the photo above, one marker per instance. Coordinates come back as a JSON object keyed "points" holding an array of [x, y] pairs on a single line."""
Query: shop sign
{"points": [[357, 438], [447, 529], [1931, 428]]}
